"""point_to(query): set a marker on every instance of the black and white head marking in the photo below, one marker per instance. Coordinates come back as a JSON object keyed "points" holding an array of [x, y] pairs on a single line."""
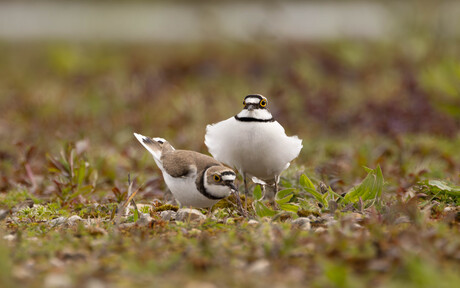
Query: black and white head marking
{"points": [[255, 109], [216, 182]]}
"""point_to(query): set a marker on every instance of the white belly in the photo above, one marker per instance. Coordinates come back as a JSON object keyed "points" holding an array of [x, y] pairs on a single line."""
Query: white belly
{"points": [[185, 191], [260, 149]]}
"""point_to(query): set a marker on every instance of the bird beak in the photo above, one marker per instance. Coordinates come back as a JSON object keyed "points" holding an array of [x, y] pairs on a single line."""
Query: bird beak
{"points": [[250, 107], [232, 186]]}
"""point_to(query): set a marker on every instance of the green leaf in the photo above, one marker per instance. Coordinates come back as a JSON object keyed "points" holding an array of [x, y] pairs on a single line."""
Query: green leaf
{"points": [[290, 207], [306, 183], [114, 212], [257, 193], [259, 207], [284, 196], [443, 187], [318, 196], [262, 210], [368, 170], [136, 215], [369, 189], [80, 174], [331, 192], [308, 186]]}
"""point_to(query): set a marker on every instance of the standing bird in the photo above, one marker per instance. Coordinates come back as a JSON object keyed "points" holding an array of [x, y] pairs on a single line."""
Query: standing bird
{"points": [[253, 142], [194, 179]]}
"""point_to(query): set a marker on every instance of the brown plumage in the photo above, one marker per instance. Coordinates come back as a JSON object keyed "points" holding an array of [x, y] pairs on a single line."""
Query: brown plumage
{"points": [[194, 179], [179, 163]]}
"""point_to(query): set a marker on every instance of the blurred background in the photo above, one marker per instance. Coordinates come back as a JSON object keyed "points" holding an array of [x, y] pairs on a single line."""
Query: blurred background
{"points": [[362, 82]]}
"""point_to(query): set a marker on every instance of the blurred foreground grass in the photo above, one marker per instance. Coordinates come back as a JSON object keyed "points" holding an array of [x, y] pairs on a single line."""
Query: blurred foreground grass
{"points": [[355, 104]]}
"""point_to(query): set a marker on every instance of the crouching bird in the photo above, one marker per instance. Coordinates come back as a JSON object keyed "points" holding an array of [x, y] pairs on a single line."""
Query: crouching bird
{"points": [[194, 179]]}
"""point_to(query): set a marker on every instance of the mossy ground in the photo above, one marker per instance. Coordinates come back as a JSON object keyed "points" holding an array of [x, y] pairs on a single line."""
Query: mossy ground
{"points": [[68, 113]]}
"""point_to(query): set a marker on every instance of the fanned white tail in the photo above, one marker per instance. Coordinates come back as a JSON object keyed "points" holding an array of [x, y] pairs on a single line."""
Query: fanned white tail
{"points": [[154, 146]]}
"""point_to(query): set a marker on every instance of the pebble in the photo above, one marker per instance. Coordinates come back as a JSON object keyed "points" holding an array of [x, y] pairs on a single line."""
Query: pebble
{"points": [[3, 214], [127, 225], [356, 226], [58, 221], [95, 283], [253, 222], [259, 266], [402, 219], [22, 273], [168, 215], [320, 230], [449, 208], [303, 223], [9, 237], [57, 281], [327, 217], [312, 218], [73, 219], [331, 222], [300, 221], [188, 214], [144, 219]]}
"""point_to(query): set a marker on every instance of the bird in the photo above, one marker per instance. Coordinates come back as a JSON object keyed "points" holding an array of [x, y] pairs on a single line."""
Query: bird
{"points": [[195, 180], [253, 143]]}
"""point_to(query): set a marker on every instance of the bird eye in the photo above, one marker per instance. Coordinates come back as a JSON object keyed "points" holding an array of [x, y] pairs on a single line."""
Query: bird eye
{"points": [[263, 103], [244, 102], [216, 178]]}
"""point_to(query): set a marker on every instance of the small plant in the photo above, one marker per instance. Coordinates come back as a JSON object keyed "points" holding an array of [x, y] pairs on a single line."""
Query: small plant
{"points": [[259, 207], [73, 175], [437, 186], [369, 191], [15, 197], [40, 213], [441, 190], [323, 198], [283, 200], [144, 209], [119, 196]]}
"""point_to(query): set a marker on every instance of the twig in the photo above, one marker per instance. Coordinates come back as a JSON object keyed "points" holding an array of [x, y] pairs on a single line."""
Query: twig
{"points": [[130, 187], [31, 176], [240, 205], [130, 198]]}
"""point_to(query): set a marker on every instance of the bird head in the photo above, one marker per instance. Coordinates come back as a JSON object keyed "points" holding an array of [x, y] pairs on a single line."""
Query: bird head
{"points": [[255, 101], [219, 181]]}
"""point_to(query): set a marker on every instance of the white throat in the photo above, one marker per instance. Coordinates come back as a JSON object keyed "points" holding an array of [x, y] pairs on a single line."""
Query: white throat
{"points": [[262, 114], [220, 191]]}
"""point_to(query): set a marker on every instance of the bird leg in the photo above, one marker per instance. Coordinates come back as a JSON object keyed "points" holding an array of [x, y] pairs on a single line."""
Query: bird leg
{"points": [[277, 179], [239, 204], [276, 192], [246, 191]]}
